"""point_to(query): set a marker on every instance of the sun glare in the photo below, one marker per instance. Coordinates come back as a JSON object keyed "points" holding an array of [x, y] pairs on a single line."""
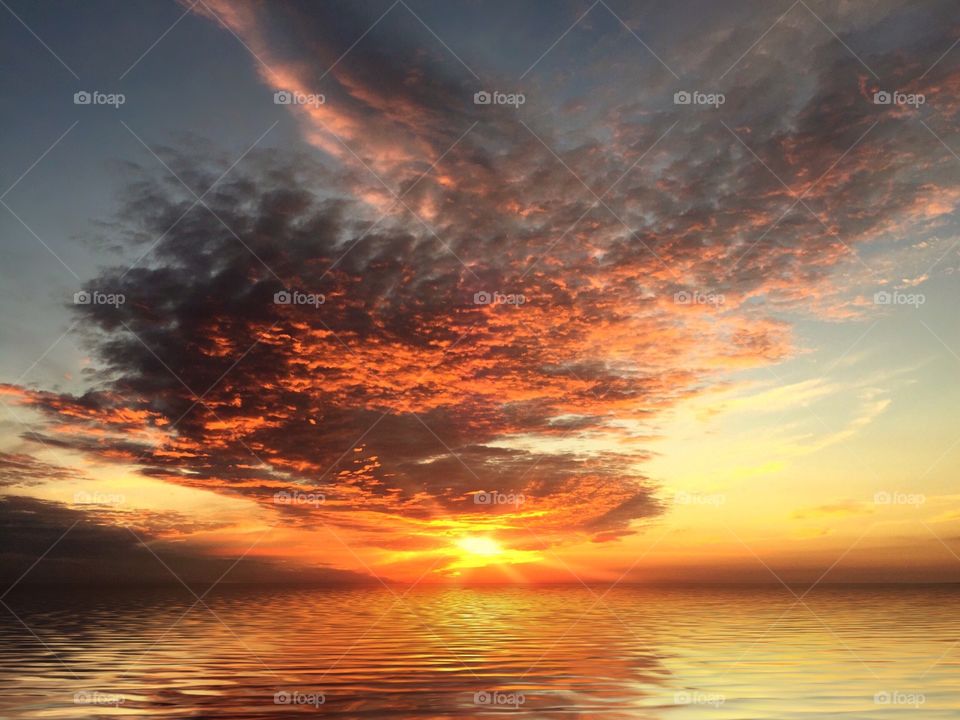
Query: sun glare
{"points": [[477, 545]]}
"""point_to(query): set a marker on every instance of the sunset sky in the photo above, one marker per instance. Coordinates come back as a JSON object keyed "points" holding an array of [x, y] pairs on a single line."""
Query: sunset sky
{"points": [[584, 332]]}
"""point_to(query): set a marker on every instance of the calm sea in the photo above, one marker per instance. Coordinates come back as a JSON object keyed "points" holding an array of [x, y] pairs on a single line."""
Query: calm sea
{"points": [[544, 652]]}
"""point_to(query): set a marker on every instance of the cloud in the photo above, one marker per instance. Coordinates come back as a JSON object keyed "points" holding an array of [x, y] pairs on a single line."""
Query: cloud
{"points": [[386, 397], [655, 248], [77, 548], [25, 470]]}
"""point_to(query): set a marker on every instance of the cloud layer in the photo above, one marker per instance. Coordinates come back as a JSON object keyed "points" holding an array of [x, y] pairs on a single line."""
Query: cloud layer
{"points": [[634, 250]]}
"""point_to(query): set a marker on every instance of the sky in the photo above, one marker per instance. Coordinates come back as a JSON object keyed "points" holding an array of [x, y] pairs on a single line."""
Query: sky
{"points": [[429, 292]]}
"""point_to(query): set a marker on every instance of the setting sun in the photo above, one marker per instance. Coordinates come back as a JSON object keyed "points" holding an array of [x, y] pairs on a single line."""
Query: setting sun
{"points": [[485, 546]]}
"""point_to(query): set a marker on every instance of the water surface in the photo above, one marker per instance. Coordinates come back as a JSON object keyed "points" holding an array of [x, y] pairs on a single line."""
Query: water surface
{"points": [[545, 652]]}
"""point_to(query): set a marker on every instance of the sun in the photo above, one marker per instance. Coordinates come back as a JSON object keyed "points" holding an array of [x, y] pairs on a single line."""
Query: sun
{"points": [[479, 545], [475, 552]]}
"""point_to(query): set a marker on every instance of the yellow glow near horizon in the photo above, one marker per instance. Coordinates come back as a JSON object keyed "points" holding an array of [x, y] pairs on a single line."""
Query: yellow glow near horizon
{"points": [[477, 545]]}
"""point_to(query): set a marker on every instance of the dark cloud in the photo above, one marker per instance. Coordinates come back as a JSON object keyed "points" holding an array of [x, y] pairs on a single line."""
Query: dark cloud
{"points": [[78, 550], [24, 470], [252, 394], [399, 394]]}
